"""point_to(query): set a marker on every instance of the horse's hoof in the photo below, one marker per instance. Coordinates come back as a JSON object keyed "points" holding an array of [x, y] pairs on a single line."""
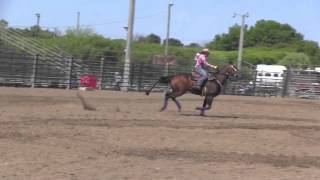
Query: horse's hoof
{"points": [[161, 110], [199, 108]]}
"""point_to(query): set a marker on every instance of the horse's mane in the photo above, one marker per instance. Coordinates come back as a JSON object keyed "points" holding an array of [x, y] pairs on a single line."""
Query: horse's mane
{"points": [[223, 68]]}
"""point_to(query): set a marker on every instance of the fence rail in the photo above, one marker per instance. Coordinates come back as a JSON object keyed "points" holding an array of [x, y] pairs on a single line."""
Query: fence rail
{"points": [[19, 69]]}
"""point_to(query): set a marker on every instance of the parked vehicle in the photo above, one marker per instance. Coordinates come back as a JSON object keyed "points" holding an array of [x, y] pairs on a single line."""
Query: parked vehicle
{"points": [[270, 75], [269, 80]]}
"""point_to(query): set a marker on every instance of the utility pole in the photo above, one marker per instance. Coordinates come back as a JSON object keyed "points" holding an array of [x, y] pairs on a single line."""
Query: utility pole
{"points": [[38, 20], [126, 69], [170, 4], [240, 50], [78, 22]]}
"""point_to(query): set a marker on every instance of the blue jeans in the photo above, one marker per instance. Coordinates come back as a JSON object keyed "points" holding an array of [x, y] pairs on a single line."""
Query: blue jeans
{"points": [[203, 74]]}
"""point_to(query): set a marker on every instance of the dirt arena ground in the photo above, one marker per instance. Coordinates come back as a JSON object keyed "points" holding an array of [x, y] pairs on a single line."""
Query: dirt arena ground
{"points": [[46, 135]]}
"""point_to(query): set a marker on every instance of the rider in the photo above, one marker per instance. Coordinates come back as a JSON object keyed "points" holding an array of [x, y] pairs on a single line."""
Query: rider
{"points": [[201, 63]]}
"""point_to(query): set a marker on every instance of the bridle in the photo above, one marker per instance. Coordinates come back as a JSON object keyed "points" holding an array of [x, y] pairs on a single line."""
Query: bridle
{"points": [[227, 73], [218, 82]]}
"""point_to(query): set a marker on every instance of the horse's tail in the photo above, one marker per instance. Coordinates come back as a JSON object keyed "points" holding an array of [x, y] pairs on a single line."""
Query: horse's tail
{"points": [[162, 79]]}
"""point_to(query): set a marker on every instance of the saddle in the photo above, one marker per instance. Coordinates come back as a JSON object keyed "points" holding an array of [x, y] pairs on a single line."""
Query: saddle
{"points": [[195, 76]]}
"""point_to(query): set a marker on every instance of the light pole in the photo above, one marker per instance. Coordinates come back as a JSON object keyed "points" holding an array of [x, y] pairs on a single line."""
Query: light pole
{"points": [[168, 27], [78, 22], [126, 29], [38, 19], [243, 17], [126, 69], [170, 4]]}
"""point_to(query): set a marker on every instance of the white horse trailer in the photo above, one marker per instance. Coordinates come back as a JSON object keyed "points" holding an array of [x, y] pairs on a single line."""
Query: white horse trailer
{"points": [[269, 79], [270, 75]]}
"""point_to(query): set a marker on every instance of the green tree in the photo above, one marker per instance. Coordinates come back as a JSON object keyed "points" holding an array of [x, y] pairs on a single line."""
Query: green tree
{"points": [[270, 33], [261, 45], [86, 44], [298, 60], [263, 33], [82, 32], [4, 23], [36, 32], [193, 45], [174, 42], [153, 38], [227, 41]]}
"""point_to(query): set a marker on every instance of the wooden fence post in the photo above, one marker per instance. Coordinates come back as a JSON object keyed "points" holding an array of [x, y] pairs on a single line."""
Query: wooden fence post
{"points": [[255, 82], [101, 73], [286, 83], [70, 73], [34, 70], [140, 75]]}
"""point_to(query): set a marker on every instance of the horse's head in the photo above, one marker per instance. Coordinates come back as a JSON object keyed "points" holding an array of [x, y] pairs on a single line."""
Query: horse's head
{"points": [[229, 70]]}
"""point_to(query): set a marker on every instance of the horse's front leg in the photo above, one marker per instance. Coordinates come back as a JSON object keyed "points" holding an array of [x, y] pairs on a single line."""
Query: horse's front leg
{"points": [[203, 108], [207, 101]]}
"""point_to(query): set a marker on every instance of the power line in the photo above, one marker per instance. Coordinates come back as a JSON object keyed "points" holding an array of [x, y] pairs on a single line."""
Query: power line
{"points": [[98, 24], [126, 20]]}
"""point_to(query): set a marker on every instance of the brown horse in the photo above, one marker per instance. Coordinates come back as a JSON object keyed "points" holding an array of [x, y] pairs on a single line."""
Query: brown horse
{"points": [[182, 83]]}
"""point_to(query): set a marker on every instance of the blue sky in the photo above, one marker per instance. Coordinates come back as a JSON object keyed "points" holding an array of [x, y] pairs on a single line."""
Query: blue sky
{"points": [[192, 20]]}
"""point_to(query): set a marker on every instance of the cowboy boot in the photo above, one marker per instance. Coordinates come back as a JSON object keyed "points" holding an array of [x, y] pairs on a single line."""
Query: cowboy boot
{"points": [[197, 87]]}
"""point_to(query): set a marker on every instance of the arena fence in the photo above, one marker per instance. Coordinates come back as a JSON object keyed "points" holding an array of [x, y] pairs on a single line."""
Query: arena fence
{"points": [[24, 70], [304, 84]]}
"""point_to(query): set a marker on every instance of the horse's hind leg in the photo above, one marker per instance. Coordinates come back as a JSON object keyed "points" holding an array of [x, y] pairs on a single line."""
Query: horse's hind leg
{"points": [[168, 94], [165, 103], [173, 94], [177, 103], [178, 92]]}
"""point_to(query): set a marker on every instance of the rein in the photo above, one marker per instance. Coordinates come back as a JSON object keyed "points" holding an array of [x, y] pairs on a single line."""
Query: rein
{"points": [[224, 74], [217, 80]]}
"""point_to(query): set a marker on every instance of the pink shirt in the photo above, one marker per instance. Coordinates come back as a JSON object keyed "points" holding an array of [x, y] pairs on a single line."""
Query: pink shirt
{"points": [[202, 61]]}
